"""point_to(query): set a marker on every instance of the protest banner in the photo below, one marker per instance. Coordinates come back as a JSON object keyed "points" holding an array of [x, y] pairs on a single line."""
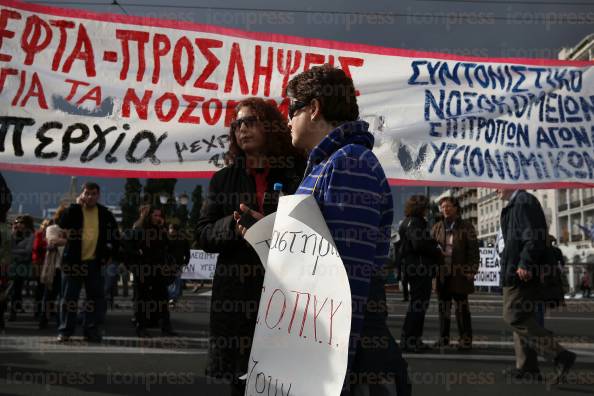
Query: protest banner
{"points": [[202, 265], [302, 332], [122, 96], [489, 268]]}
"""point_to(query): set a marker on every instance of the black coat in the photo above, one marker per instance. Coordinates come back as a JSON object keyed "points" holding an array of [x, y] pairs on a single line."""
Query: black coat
{"points": [[239, 275], [524, 230], [421, 255], [5, 199], [107, 242]]}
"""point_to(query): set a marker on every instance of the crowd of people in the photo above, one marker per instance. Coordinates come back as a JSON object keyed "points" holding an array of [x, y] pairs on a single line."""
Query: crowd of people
{"points": [[324, 150], [82, 245]]}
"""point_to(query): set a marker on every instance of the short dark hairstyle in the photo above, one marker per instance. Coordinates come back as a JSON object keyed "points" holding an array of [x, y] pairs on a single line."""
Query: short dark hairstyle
{"points": [[90, 186], [332, 88], [416, 206], [276, 132], [454, 201]]}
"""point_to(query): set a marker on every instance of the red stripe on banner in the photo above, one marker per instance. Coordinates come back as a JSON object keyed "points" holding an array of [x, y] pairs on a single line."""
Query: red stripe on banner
{"points": [[539, 186], [278, 38], [122, 173], [111, 173]]}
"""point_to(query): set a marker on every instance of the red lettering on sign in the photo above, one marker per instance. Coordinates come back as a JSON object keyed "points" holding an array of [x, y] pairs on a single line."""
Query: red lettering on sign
{"points": [[5, 15], [187, 117], [62, 25], [30, 40], [183, 44], [83, 50], [346, 62], [217, 105], [236, 62], [161, 46], [20, 89], [260, 70], [3, 74], [290, 66], [313, 59], [141, 105], [74, 88], [93, 95], [230, 112], [141, 38], [35, 91], [174, 105], [204, 46]]}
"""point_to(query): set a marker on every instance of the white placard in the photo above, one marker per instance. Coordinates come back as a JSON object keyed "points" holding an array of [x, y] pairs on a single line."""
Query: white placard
{"points": [[302, 334], [201, 266], [489, 268]]}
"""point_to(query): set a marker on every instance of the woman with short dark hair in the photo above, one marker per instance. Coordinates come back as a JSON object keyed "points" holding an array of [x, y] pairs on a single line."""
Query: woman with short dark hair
{"points": [[420, 256]]}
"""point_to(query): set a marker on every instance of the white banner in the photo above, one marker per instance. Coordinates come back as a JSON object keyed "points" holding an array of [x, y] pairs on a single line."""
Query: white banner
{"points": [[301, 340], [202, 265], [489, 268], [112, 95]]}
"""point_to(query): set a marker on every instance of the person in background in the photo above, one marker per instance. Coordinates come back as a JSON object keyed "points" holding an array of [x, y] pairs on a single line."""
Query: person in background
{"points": [[23, 234], [524, 234], [51, 275], [260, 155], [38, 258], [180, 250], [351, 189], [5, 248], [455, 276], [92, 239], [586, 284], [151, 283], [421, 257]]}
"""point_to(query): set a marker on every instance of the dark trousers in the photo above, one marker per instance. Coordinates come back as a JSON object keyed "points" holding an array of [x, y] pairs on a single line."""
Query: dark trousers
{"points": [[463, 318], [405, 294], [420, 293], [530, 338], [50, 296], [16, 294], [151, 304], [90, 274]]}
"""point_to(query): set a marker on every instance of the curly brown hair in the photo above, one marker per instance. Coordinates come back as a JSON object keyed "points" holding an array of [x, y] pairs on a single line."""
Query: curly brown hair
{"points": [[278, 148], [332, 88], [416, 206]]}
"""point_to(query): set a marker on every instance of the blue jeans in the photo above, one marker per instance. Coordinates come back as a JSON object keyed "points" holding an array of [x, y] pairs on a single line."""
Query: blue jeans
{"points": [[176, 288], [91, 275]]}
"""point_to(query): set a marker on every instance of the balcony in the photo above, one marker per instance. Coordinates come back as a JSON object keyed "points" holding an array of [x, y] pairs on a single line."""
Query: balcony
{"points": [[588, 201], [575, 204], [562, 207]]}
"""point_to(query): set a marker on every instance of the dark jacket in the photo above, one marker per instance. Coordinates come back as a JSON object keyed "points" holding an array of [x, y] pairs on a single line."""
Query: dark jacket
{"points": [[465, 257], [22, 249], [524, 230], [239, 275], [5, 199], [421, 255], [107, 242]]}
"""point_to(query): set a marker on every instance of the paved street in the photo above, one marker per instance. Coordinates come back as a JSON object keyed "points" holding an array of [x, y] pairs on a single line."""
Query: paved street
{"points": [[32, 363]]}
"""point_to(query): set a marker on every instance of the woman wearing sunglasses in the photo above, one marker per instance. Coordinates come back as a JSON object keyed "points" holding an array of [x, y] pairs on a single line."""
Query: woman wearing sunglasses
{"points": [[260, 155]]}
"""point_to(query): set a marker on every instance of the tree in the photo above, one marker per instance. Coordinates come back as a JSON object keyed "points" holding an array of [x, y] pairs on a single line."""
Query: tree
{"points": [[155, 187], [196, 206], [130, 202]]}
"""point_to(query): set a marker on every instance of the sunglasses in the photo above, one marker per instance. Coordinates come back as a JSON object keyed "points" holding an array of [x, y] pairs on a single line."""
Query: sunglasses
{"points": [[296, 106], [249, 122]]}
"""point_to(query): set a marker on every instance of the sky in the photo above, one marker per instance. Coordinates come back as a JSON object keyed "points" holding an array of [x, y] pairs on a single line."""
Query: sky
{"points": [[484, 28]]}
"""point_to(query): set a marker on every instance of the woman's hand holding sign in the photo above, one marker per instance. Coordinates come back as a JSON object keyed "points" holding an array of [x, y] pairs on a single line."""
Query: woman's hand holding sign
{"points": [[245, 219]]}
